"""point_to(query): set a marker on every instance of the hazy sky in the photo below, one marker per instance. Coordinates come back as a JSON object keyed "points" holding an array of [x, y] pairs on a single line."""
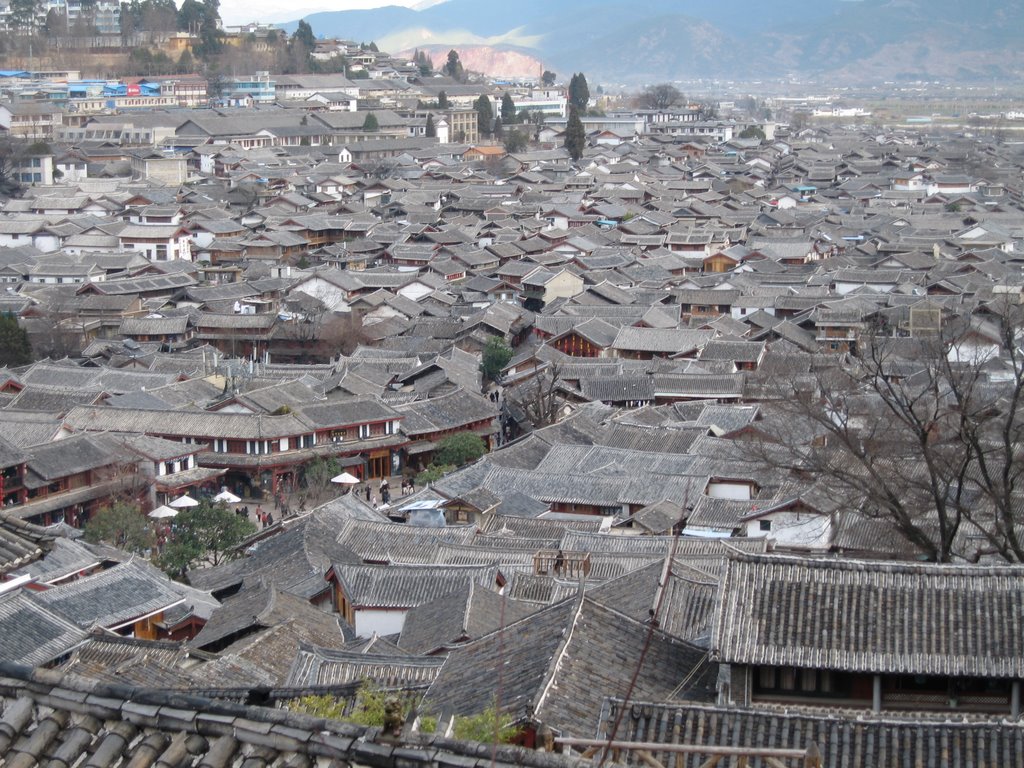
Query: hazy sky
{"points": [[244, 11]]}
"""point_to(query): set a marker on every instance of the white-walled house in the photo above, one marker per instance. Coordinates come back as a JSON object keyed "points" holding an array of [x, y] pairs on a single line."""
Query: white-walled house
{"points": [[15, 232], [730, 488], [157, 242], [331, 287], [979, 344], [791, 524], [377, 598]]}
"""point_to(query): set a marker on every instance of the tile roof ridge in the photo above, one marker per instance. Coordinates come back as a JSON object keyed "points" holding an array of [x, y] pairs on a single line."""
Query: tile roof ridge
{"points": [[556, 661]]}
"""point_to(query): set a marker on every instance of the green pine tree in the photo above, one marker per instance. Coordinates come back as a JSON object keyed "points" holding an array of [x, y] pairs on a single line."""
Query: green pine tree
{"points": [[453, 67], [508, 109], [484, 115], [579, 93], [14, 346], [575, 135]]}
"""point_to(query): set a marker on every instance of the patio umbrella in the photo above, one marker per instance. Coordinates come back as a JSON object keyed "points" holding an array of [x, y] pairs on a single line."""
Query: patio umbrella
{"points": [[163, 511], [345, 479], [227, 497], [184, 501]]}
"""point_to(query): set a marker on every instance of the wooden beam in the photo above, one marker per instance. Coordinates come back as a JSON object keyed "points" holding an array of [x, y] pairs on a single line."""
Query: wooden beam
{"points": [[773, 762], [648, 759], [711, 762]]}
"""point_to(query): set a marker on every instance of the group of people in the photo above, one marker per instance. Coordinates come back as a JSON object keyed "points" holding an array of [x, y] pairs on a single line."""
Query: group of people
{"points": [[408, 486], [266, 519]]}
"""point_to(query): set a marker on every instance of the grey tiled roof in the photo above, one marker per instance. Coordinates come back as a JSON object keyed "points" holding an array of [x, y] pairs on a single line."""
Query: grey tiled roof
{"points": [[660, 340], [556, 665], [32, 633], [240, 426], [110, 598], [295, 560], [53, 714], [866, 616], [843, 739], [21, 543], [447, 412], [325, 668], [467, 613], [64, 558], [397, 543], [257, 606], [73, 455], [684, 598], [406, 586]]}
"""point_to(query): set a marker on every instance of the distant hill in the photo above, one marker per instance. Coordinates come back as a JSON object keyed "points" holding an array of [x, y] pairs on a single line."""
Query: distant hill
{"points": [[656, 40]]}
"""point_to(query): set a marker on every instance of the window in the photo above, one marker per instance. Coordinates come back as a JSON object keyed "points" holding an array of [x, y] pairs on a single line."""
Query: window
{"points": [[787, 678], [765, 525]]}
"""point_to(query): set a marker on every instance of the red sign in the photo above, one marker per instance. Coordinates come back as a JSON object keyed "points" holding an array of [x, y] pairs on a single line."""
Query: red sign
{"points": [[133, 90]]}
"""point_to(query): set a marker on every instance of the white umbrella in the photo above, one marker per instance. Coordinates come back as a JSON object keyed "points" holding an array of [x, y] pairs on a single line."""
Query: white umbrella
{"points": [[227, 497], [163, 511], [184, 501], [345, 479]]}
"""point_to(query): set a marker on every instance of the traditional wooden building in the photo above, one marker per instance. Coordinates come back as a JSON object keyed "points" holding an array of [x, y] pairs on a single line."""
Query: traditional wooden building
{"points": [[878, 636]]}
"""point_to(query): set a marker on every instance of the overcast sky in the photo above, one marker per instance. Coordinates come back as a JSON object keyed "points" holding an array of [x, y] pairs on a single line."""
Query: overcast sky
{"points": [[244, 11]]}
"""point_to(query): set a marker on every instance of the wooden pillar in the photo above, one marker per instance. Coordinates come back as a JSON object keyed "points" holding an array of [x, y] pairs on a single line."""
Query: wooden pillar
{"points": [[876, 694], [1015, 698]]}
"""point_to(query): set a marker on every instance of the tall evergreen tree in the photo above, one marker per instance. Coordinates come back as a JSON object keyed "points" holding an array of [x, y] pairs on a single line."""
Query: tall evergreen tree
{"points": [[431, 128], [423, 62], [499, 127], [14, 346], [24, 15], [575, 135], [453, 67], [371, 123], [579, 93], [442, 100], [508, 109], [304, 34], [484, 115]]}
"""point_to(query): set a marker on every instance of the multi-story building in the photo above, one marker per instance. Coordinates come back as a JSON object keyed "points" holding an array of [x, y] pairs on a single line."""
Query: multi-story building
{"points": [[267, 452], [31, 120], [463, 127], [244, 90], [550, 101]]}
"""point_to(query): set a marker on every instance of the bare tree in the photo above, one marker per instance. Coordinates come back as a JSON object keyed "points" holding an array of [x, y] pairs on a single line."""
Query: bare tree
{"points": [[922, 433], [662, 96], [55, 327], [12, 154], [342, 333], [538, 397]]}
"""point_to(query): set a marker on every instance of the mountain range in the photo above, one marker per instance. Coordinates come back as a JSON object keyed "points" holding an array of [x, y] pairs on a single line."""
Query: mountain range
{"points": [[615, 41]]}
